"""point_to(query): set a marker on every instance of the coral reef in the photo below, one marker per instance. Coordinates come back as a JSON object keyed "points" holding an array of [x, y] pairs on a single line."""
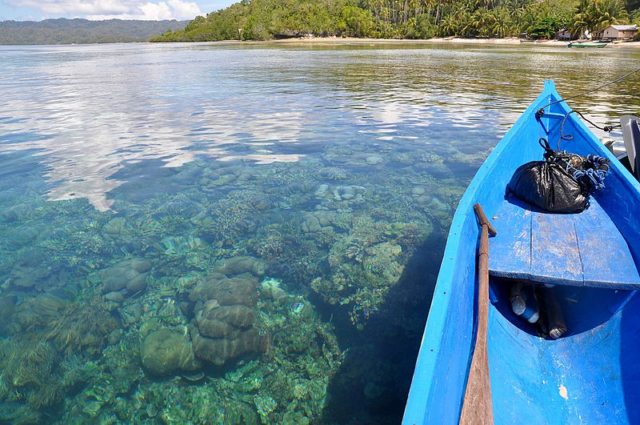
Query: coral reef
{"points": [[83, 326], [29, 270], [239, 265], [196, 299], [35, 378], [222, 329], [366, 263], [287, 384], [125, 278], [165, 351]]}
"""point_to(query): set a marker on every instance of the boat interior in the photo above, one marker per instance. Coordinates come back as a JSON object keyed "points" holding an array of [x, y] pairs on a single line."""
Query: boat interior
{"points": [[578, 361], [583, 263], [581, 269]]}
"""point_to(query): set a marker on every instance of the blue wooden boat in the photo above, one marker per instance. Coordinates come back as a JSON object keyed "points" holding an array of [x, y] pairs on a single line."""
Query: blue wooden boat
{"points": [[592, 373]]}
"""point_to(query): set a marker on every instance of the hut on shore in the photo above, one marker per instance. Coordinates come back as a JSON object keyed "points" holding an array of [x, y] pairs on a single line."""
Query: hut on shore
{"points": [[619, 32], [564, 35]]}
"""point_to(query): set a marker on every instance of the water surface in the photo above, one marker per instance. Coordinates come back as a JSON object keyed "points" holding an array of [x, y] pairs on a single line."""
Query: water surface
{"points": [[243, 234]]}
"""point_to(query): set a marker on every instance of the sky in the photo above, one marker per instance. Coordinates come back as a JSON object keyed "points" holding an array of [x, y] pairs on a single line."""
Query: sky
{"points": [[37, 10]]}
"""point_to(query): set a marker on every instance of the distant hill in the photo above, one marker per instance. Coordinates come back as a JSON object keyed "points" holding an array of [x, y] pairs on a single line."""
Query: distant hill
{"points": [[83, 31]]}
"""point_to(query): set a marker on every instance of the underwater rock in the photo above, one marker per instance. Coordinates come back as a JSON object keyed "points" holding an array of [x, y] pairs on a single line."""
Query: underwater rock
{"points": [[317, 221], [188, 175], [367, 262], [311, 225], [329, 290], [116, 297], [322, 191], [203, 220], [29, 270], [39, 310], [16, 212], [270, 288], [262, 204], [216, 321], [220, 350], [404, 158], [22, 236], [165, 351], [417, 191], [345, 193], [422, 200], [129, 277], [440, 210], [115, 227], [374, 160], [224, 316], [238, 265], [227, 291]]}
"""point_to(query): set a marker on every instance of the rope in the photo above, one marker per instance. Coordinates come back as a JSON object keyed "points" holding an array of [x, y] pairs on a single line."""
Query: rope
{"points": [[597, 171], [606, 128], [584, 93], [593, 167]]}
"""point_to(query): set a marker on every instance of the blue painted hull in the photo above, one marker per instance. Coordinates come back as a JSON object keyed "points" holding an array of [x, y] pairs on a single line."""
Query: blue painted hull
{"points": [[590, 376]]}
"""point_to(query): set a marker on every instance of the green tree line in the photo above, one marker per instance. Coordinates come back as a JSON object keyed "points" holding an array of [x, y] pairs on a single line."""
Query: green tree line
{"points": [[270, 19]]}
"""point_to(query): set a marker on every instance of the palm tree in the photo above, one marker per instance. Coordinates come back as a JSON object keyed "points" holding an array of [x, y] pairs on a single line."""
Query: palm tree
{"points": [[481, 22], [375, 6], [414, 5], [449, 26], [610, 12], [584, 19], [502, 25], [596, 15]]}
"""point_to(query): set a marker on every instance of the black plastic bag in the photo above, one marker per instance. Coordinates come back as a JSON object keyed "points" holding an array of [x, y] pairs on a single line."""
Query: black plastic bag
{"points": [[562, 182], [548, 186]]}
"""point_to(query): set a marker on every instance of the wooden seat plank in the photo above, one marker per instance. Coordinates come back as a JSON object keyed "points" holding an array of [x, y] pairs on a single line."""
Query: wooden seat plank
{"points": [[561, 249], [510, 251], [606, 259], [555, 255]]}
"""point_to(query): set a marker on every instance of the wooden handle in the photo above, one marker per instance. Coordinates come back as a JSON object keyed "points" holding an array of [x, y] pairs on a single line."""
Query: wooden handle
{"points": [[478, 408], [482, 218]]}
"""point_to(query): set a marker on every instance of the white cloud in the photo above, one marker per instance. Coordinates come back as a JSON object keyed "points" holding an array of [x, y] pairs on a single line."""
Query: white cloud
{"points": [[115, 9], [155, 11], [184, 10]]}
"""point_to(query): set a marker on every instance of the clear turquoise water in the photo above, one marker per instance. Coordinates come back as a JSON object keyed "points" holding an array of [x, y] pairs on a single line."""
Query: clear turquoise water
{"points": [[140, 185]]}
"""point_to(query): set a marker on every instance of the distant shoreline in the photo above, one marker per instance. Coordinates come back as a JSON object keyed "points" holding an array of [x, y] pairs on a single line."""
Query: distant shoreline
{"points": [[484, 41], [344, 41]]}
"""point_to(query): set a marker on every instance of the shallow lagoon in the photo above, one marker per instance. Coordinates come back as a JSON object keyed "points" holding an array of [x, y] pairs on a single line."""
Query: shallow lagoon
{"points": [[242, 234]]}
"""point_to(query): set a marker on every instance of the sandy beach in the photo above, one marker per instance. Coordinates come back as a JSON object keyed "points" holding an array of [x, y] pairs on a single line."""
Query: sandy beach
{"points": [[448, 40]]}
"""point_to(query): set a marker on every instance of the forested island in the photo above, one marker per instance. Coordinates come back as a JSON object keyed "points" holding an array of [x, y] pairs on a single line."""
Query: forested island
{"points": [[82, 31], [410, 19]]}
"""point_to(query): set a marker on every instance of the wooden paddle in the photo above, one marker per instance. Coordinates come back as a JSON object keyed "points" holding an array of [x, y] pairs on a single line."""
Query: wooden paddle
{"points": [[477, 408]]}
